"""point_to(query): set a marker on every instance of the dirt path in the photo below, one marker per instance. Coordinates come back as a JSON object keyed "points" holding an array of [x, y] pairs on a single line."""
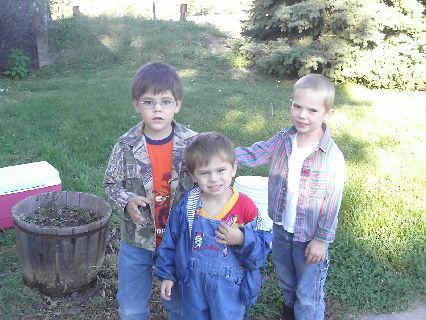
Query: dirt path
{"points": [[227, 23], [417, 311]]}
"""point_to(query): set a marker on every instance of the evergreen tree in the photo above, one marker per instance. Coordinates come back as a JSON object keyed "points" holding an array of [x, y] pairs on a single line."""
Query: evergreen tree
{"points": [[378, 43]]}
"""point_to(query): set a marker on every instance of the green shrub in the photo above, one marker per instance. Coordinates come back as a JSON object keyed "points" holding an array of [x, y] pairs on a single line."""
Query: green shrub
{"points": [[381, 44], [18, 64]]}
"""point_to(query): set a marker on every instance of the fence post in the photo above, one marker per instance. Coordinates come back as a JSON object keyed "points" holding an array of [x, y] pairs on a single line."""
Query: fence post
{"points": [[183, 11], [75, 11], [153, 9]]}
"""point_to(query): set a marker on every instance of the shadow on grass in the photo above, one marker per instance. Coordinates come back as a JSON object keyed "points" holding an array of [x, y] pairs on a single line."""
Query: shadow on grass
{"points": [[353, 149], [365, 271]]}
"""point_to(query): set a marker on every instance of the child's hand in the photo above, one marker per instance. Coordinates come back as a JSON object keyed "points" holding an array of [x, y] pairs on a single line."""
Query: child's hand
{"points": [[132, 208], [315, 251], [166, 289], [228, 235]]}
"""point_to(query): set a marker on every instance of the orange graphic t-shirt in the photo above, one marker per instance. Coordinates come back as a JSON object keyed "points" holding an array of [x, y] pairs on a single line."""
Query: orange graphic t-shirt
{"points": [[160, 155]]}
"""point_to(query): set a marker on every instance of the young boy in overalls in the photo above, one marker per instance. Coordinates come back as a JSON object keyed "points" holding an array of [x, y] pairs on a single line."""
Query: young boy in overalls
{"points": [[212, 248]]}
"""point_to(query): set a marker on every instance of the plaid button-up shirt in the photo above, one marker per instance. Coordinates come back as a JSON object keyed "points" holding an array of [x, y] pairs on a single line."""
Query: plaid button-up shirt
{"points": [[321, 182]]}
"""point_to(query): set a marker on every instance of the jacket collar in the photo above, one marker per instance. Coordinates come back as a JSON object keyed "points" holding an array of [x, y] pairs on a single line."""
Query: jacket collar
{"points": [[135, 136]]}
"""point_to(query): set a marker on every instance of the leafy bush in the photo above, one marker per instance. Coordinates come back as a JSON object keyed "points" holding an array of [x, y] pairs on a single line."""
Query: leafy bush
{"points": [[381, 44], [18, 64]]}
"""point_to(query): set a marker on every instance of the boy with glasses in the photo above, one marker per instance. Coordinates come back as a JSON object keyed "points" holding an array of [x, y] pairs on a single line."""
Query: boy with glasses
{"points": [[306, 178], [145, 176]]}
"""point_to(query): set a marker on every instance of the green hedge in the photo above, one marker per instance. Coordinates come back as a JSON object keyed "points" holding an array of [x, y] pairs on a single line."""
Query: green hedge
{"points": [[380, 44]]}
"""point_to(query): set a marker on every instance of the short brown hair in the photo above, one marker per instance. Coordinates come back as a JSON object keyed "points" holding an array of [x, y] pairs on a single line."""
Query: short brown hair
{"points": [[206, 146], [156, 77], [319, 83]]}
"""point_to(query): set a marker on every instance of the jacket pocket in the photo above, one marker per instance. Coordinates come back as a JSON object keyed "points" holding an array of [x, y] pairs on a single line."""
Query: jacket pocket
{"points": [[132, 171], [134, 180]]}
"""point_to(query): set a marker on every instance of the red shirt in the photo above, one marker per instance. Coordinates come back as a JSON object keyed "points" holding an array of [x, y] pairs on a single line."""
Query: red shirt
{"points": [[160, 155], [238, 211]]}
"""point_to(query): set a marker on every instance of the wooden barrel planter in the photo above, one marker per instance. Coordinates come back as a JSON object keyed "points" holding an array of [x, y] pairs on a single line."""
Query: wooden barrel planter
{"points": [[61, 260]]}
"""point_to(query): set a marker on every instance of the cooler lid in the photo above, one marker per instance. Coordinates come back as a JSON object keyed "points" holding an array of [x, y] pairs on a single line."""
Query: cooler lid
{"points": [[252, 182], [28, 176]]}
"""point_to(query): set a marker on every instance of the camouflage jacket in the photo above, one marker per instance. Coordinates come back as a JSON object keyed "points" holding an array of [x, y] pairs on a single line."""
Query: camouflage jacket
{"points": [[129, 173]]}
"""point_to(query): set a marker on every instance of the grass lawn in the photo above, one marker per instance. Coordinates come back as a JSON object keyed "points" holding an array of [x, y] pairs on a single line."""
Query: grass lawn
{"points": [[72, 112]]}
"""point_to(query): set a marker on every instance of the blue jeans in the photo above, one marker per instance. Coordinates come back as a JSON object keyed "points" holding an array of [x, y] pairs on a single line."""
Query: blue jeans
{"points": [[302, 283], [135, 285], [216, 274]]}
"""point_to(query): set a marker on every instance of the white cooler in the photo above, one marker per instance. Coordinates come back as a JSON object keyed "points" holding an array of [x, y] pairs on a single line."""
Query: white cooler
{"points": [[256, 187], [21, 181]]}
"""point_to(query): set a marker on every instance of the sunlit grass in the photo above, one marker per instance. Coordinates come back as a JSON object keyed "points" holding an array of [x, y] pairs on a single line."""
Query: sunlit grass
{"points": [[383, 216]]}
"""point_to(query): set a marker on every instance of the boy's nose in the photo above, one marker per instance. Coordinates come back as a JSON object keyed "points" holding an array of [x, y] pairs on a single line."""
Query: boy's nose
{"points": [[214, 176], [157, 106]]}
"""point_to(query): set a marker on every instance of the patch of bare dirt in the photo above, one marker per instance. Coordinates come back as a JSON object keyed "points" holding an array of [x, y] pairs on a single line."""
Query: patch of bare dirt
{"points": [[53, 216], [98, 301], [217, 45]]}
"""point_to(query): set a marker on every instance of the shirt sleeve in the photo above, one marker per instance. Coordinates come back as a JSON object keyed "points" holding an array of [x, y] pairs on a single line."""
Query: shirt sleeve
{"points": [[249, 210], [114, 180], [256, 242], [257, 154], [328, 216]]}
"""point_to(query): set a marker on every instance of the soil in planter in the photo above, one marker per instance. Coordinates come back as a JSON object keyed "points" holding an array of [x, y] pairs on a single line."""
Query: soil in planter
{"points": [[53, 216]]}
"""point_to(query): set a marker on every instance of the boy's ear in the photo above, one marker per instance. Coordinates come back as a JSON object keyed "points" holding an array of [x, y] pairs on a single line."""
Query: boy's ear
{"points": [[136, 105], [234, 169], [192, 177], [329, 114], [178, 104]]}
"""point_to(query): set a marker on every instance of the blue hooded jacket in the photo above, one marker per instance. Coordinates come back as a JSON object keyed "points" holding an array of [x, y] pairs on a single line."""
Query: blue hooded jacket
{"points": [[174, 253]]}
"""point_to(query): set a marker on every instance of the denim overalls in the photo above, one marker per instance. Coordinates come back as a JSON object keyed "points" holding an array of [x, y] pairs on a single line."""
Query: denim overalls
{"points": [[216, 273]]}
